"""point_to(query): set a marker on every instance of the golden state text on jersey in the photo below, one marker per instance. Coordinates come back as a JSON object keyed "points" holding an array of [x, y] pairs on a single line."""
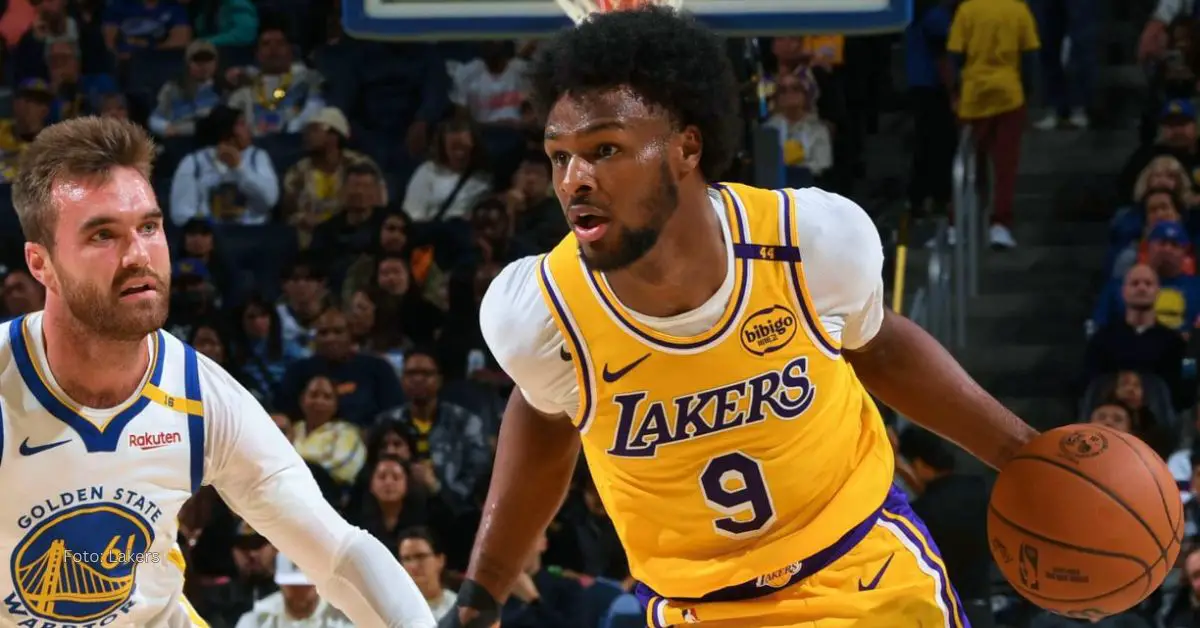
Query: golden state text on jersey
{"points": [[88, 522], [727, 456]]}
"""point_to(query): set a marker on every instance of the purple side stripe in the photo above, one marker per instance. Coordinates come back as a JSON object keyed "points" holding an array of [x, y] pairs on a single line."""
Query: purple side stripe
{"points": [[897, 511], [793, 272], [576, 344]]}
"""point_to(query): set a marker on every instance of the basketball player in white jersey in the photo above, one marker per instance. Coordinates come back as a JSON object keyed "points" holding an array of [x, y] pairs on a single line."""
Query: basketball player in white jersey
{"points": [[108, 424]]}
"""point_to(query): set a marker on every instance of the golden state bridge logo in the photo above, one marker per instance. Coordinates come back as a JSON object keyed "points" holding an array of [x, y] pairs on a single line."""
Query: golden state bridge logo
{"points": [[79, 565]]}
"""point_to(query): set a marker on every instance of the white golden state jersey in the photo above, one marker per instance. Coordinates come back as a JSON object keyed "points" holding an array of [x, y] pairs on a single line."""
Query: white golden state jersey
{"points": [[88, 519]]}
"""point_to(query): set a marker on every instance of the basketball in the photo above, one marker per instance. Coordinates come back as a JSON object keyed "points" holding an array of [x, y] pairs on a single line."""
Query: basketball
{"points": [[1085, 521]]}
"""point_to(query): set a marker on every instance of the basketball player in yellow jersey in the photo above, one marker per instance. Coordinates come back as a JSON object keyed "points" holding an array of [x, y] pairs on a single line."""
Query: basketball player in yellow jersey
{"points": [[710, 348]]}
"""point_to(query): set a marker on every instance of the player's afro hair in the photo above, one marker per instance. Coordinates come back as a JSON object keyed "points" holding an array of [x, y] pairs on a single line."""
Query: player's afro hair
{"points": [[664, 57]]}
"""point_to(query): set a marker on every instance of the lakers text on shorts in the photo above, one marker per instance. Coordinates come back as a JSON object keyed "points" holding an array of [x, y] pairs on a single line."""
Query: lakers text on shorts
{"points": [[894, 576]]}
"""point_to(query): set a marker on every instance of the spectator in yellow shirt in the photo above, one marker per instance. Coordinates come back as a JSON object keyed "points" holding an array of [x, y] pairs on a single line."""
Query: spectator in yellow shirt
{"points": [[994, 45], [322, 438]]}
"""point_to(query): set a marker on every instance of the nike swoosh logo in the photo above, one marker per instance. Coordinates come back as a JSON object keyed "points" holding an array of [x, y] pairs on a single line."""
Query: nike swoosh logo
{"points": [[562, 353], [26, 450], [879, 576], [613, 376]]}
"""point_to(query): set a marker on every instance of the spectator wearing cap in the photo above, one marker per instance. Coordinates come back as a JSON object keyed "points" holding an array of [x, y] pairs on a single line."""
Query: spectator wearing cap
{"points": [[230, 180], [279, 94], [1178, 301], [31, 114], [1162, 173], [132, 25], [994, 44], [75, 94], [312, 186], [185, 100], [223, 600], [224, 22], [1137, 341], [194, 299], [296, 603], [1158, 205], [1176, 137], [22, 293]]}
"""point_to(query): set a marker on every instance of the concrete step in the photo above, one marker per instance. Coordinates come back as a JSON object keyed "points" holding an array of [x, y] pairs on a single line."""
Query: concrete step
{"points": [[1044, 281], [1076, 259], [1019, 358], [1029, 304], [1023, 331], [1060, 233]]}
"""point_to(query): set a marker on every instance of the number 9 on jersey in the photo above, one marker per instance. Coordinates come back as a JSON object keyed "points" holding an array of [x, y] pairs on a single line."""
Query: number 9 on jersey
{"points": [[733, 485]]}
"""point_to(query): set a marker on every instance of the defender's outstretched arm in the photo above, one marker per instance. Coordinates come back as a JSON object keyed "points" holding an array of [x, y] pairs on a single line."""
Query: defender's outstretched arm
{"points": [[535, 460], [911, 372]]}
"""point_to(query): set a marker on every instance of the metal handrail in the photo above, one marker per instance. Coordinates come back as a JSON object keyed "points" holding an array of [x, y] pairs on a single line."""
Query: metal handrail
{"points": [[953, 269]]}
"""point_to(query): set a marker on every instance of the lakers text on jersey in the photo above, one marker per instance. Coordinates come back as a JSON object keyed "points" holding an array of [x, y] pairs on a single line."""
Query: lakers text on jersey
{"points": [[88, 522], [727, 456]]}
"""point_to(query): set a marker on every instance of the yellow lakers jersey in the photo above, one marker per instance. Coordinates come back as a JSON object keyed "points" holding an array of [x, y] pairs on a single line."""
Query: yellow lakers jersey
{"points": [[734, 453]]}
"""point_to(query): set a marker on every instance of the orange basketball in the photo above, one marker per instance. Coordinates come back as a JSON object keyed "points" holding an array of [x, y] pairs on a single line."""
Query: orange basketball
{"points": [[1085, 521]]}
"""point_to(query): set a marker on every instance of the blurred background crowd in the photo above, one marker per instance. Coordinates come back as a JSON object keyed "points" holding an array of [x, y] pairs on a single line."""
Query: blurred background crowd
{"points": [[338, 207]]}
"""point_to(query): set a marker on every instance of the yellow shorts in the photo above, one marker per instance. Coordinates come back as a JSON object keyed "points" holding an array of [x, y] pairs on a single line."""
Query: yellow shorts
{"points": [[891, 576]]}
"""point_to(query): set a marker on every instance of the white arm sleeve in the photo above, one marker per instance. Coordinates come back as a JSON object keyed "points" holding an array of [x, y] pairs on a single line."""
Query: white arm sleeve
{"points": [[843, 264], [262, 478], [526, 342]]}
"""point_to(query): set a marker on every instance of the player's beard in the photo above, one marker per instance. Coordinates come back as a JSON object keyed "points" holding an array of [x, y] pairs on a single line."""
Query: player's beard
{"points": [[100, 310], [633, 244]]}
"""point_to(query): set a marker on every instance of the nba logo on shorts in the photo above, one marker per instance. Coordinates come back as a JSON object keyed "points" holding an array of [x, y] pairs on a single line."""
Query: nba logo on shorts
{"points": [[690, 616]]}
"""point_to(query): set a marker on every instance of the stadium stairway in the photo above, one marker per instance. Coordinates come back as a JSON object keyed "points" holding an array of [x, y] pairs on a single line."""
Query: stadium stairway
{"points": [[1026, 328]]}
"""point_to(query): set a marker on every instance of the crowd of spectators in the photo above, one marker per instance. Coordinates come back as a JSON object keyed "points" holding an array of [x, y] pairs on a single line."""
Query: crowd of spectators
{"points": [[984, 60], [337, 209]]}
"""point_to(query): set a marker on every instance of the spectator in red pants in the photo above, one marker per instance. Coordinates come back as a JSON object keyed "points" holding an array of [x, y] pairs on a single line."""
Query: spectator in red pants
{"points": [[994, 44]]}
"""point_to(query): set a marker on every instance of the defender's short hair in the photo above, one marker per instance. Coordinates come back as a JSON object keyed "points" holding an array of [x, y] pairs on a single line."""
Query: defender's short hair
{"points": [[665, 57], [86, 149]]}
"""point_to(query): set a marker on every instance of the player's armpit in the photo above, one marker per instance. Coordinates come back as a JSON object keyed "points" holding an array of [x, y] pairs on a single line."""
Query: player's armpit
{"points": [[535, 460], [911, 372]]}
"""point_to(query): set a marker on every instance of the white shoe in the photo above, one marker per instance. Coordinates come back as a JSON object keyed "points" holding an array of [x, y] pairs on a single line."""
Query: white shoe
{"points": [[1079, 119], [1048, 123], [1000, 237]]}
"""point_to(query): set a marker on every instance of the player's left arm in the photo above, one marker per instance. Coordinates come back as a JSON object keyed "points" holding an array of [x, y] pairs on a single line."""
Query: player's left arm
{"points": [[262, 478], [895, 359]]}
